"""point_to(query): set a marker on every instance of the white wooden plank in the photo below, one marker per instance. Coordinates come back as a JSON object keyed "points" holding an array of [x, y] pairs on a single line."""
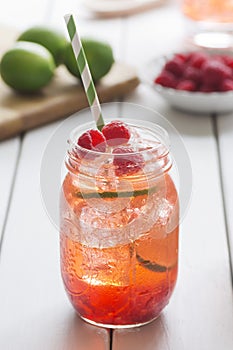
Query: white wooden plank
{"points": [[8, 159], [200, 313], [225, 131], [35, 313], [22, 14]]}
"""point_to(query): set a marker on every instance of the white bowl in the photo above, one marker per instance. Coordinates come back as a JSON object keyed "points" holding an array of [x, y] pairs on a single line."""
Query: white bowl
{"points": [[197, 102]]}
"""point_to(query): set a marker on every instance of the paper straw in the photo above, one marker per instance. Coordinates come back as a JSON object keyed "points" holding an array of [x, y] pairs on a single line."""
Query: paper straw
{"points": [[84, 71]]}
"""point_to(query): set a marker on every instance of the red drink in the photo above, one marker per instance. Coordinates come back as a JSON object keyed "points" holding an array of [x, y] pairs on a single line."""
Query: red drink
{"points": [[119, 251], [210, 22], [209, 10]]}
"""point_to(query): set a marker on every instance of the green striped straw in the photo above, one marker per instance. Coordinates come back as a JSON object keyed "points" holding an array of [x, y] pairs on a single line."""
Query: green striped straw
{"points": [[84, 71]]}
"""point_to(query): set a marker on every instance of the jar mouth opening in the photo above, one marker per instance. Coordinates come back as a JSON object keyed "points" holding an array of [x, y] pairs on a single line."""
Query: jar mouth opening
{"points": [[154, 130]]}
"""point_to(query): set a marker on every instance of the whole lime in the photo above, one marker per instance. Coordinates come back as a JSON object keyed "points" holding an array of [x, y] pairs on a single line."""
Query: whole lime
{"points": [[50, 38], [27, 67], [98, 54]]}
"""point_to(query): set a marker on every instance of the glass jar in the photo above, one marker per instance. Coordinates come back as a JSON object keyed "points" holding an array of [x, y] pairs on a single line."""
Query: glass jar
{"points": [[119, 224], [210, 22]]}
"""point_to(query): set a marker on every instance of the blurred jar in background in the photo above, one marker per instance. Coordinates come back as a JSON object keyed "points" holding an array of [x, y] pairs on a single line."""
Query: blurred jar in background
{"points": [[210, 22]]}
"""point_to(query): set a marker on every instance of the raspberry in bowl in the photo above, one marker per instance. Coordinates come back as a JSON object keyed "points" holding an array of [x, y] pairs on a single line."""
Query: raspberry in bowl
{"points": [[195, 81]]}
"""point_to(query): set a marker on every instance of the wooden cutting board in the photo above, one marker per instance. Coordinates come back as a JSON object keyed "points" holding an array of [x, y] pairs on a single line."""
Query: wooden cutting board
{"points": [[116, 8], [62, 97]]}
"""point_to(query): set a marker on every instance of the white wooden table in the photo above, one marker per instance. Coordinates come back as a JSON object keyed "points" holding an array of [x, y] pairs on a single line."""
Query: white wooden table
{"points": [[34, 311]]}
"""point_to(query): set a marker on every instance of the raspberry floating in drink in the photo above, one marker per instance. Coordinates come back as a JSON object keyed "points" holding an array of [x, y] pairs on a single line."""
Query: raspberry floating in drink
{"points": [[116, 133], [93, 140], [127, 161]]}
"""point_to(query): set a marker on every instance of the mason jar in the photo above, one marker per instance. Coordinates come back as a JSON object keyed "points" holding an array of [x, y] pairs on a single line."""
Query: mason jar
{"points": [[119, 226]]}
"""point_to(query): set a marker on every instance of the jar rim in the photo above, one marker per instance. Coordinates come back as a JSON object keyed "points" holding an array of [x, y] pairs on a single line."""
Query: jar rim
{"points": [[160, 133]]}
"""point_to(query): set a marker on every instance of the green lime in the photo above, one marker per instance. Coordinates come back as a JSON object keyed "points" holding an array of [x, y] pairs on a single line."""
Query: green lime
{"points": [[99, 56], [27, 67], [53, 40]]}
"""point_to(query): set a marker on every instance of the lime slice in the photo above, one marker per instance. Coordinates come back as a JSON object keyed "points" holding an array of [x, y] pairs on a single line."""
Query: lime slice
{"points": [[121, 194], [153, 266]]}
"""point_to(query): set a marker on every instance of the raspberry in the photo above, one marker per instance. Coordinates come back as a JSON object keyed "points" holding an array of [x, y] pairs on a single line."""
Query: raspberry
{"points": [[116, 133], [181, 56], [187, 85], [193, 74], [175, 66], [92, 140], [229, 62], [198, 71], [227, 85], [197, 59], [206, 88], [214, 72], [125, 162], [220, 58], [166, 79]]}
